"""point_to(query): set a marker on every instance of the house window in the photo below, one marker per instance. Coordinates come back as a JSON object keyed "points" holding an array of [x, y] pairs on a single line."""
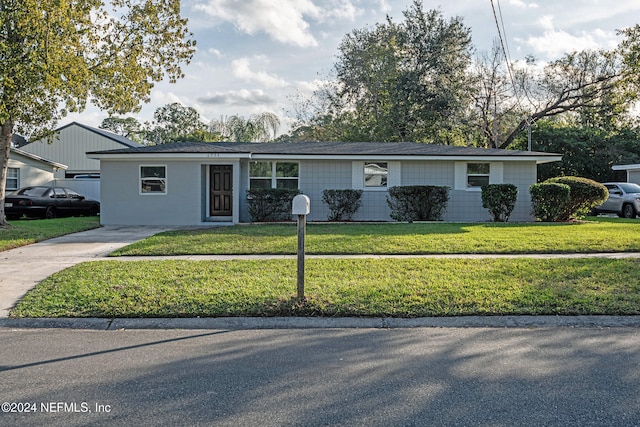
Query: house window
{"points": [[153, 179], [376, 174], [273, 175], [478, 174], [13, 179]]}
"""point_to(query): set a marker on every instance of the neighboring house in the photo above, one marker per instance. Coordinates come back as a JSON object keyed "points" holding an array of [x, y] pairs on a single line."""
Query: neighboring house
{"points": [[193, 183], [26, 169], [71, 144], [633, 172]]}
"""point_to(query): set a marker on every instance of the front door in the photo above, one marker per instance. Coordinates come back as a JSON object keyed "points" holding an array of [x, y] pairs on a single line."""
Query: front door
{"points": [[221, 197]]}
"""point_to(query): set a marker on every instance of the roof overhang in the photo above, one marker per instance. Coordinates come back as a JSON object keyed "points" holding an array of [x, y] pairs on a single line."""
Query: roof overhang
{"points": [[625, 167], [37, 158], [539, 159]]}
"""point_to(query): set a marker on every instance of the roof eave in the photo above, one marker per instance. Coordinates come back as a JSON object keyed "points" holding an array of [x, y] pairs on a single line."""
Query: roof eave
{"points": [[625, 167]]}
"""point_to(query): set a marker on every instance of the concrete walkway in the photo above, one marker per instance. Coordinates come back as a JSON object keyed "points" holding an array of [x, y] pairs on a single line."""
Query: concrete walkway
{"points": [[23, 268]]}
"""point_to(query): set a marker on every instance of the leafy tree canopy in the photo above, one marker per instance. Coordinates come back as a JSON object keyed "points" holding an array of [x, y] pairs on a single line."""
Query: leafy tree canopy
{"points": [[55, 56], [261, 127], [397, 82]]}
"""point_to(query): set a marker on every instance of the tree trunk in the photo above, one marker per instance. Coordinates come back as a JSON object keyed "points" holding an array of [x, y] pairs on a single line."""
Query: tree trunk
{"points": [[6, 134]]}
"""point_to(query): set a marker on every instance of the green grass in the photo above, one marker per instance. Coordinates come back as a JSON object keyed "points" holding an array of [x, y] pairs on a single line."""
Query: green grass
{"points": [[24, 232], [595, 235], [339, 287]]}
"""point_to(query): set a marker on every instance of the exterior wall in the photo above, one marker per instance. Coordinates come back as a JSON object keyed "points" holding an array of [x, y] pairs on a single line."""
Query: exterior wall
{"points": [[464, 205], [70, 148], [186, 200], [122, 203], [633, 176], [31, 172]]}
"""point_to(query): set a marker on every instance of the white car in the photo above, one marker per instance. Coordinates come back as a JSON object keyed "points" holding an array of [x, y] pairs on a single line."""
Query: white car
{"points": [[624, 199]]}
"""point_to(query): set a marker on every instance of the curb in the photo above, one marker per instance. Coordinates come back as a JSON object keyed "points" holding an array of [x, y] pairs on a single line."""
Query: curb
{"points": [[241, 323]]}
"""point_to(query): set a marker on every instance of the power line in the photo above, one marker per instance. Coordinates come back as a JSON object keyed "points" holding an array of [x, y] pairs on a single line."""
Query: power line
{"points": [[505, 50], [507, 55]]}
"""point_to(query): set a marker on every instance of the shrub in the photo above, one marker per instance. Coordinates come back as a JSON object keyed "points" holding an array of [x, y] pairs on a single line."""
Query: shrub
{"points": [[342, 203], [500, 199], [270, 204], [549, 200], [585, 194], [417, 202]]}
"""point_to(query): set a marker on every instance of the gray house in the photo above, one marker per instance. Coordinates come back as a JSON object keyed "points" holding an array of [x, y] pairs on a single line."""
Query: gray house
{"points": [[189, 183]]}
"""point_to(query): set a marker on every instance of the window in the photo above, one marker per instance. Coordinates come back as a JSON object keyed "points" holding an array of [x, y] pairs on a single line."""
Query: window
{"points": [[153, 180], [13, 179], [376, 174], [273, 175], [478, 174]]}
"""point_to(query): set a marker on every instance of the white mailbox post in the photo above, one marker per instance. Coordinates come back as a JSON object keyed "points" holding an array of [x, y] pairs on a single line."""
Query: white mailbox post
{"points": [[300, 207]]}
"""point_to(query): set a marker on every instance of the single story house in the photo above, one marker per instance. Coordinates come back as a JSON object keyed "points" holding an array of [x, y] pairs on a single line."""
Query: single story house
{"points": [[633, 172], [27, 169], [195, 183]]}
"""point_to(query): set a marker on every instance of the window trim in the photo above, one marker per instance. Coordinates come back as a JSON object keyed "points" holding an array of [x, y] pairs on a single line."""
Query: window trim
{"points": [[140, 180], [386, 175], [394, 175], [496, 175], [274, 174], [469, 175], [16, 178]]}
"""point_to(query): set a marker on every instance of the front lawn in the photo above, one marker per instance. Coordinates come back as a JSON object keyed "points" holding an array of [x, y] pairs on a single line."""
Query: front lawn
{"points": [[27, 231], [339, 287], [595, 235]]}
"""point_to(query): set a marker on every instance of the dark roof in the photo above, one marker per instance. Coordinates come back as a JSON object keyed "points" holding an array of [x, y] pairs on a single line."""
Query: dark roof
{"points": [[323, 148], [109, 135]]}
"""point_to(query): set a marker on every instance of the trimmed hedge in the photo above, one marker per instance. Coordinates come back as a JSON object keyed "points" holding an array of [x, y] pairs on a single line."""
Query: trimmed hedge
{"points": [[342, 203], [549, 200], [417, 202], [585, 194], [500, 200], [270, 204]]}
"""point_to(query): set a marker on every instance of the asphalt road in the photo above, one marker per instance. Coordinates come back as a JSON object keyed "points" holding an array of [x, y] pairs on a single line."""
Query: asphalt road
{"points": [[321, 377]]}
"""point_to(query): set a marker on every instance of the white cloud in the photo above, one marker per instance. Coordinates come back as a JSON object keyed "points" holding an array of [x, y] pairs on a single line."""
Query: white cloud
{"points": [[286, 21], [241, 98], [521, 3], [242, 69], [554, 43], [283, 20]]}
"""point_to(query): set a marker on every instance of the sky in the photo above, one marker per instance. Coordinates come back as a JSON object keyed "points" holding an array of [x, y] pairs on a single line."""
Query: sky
{"points": [[256, 56]]}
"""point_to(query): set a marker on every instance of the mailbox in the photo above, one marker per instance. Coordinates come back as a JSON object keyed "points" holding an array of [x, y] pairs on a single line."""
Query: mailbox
{"points": [[300, 205]]}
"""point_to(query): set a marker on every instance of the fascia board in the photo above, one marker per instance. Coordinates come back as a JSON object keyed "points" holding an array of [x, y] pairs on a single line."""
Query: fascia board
{"points": [[625, 167], [168, 156], [537, 159]]}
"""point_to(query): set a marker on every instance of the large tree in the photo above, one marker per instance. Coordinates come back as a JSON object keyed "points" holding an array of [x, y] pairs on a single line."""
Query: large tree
{"points": [[261, 127], [592, 88], [55, 56], [129, 127], [404, 81], [174, 122]]}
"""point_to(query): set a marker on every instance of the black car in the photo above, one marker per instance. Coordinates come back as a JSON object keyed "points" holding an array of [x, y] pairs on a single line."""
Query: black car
{"points": [[48, 202]]}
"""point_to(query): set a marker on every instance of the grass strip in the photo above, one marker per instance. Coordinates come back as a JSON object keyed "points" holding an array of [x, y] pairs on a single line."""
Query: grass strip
{"points": [[596, 235], [339, 287], [28, 231]]}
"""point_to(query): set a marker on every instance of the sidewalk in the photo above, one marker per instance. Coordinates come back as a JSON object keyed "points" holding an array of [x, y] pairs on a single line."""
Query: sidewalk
{"points": [[23, 268]]}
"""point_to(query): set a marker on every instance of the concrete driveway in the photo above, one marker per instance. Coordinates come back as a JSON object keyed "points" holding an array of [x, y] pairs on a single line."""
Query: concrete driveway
{"points": [[23, 268]]}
